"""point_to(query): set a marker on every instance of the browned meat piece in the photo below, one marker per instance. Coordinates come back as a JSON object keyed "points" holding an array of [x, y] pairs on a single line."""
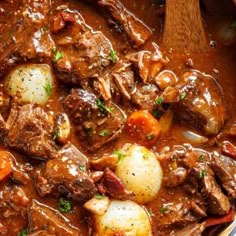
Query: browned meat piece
{"points": [[137, 31], [145, 97], [68, 174], [29, 129], [225, 170], [201, 102], [218, 203], [177, 213], [148, 63], [113, 185], [80, 52], [26, 24], [190, 230], [97, 122], [43, 218], [228, 149]]}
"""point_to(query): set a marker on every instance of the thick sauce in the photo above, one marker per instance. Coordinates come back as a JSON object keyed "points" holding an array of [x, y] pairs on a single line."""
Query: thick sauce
{"points": [[219, 63]]}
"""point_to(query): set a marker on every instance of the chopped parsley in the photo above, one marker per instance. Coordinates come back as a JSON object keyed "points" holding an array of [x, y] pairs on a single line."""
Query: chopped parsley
{"points": [[202, 174], [23, 232], [120, 156], [64, 205], [150, 136], [163, 208], [113, 56], [201, 158], [183, 95], [82, 168], [43, 30], [48, 89], [156, 113], [104, 133], [150, 212], [57, 54], [159, 101], [145, 156], [98, 196], [56, 134], [89, 131], [102, 107]]}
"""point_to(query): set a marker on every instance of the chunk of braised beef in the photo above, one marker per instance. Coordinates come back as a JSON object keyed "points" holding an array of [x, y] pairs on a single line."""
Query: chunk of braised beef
{"points": [[225, 170], [29, 129], [148, 63], [43, 219], [113, 185], [218, 203], [145, 97], [97, 122], [80, 51], [26, 25], [137, 31], [67, 174], [201, 102]]}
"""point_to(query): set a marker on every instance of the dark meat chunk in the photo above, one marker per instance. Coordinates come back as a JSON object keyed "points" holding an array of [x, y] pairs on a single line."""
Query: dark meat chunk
{"points": [[43, 218], [145, 97], [201, 102], [190, 230], [67, 174], [13, 200], [97, 122], [113, 185], [29, 129], [218, 203], [138, 32], [177, 213], [225, 170], [80, 52], [148, 63], [25, 24]]}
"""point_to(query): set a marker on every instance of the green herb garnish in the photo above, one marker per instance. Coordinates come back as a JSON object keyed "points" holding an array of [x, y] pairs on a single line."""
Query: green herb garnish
{"points": [[57, 54], [202, 174], [156, 113], [48, 89], [120, 156], [183, 95], [23, 232], [163, 209], [104, 133], [150, 136], [102, 107], [64, 205], [56, 134], [82, 168], [98, 196], [159, 101], [43, 30], [201, 158], [113, 56]]}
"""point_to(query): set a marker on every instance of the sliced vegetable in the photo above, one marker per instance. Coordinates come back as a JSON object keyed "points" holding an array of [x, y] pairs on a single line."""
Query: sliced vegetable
{"points": [[5, 164], [143, 127], [97, 206], [166, 121], [220, 220]]}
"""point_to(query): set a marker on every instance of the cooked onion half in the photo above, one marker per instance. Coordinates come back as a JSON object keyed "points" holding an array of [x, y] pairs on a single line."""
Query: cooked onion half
{"points": [[140, 172], [123, 218], [32, 83]]}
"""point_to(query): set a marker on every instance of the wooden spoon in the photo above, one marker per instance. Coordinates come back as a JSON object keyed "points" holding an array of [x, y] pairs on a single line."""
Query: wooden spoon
{"points": [[183, 30]]}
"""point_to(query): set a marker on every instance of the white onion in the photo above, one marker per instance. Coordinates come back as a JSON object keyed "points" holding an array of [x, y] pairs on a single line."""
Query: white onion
{"points": [[140, 172], [194, 138], [123, 218], [29, 83]]}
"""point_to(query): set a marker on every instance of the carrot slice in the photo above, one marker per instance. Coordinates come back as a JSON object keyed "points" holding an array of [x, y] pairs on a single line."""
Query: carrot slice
{"points": [[220, 220], [144, 128], [5, 164]]}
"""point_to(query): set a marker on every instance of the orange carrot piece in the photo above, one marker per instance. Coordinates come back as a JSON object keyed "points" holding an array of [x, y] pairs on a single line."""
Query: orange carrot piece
{"points": [[5, 164]]}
